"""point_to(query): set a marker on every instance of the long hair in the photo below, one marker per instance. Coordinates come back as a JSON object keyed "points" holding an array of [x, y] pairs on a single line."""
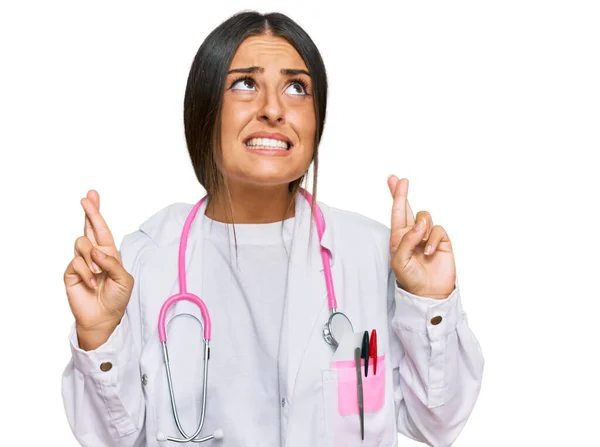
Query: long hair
{"points": [[204, 92]]}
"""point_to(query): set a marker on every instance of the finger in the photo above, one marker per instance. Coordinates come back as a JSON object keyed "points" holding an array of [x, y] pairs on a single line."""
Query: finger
{"points": [[88, 230], [112, 266], [399, 193], [392, 184], [428, 222], [78, 271], [83, 248], [438, 240], [101, 234], [409, 242], [410, 217], [94, 197]]}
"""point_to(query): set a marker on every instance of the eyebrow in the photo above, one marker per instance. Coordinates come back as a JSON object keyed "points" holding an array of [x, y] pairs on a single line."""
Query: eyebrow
{"points": [[255, 69]]}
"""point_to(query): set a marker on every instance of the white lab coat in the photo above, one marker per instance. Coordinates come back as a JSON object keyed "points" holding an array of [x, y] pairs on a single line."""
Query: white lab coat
{"points": [[431, 373]]}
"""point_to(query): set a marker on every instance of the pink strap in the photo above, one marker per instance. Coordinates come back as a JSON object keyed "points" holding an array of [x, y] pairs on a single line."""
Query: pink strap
{"points": [[183, 295]]}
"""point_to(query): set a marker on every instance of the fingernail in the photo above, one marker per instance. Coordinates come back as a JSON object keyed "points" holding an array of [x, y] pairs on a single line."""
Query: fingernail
{"points": [[95, 268], [94, 283], [428, 249], [417, 227]]}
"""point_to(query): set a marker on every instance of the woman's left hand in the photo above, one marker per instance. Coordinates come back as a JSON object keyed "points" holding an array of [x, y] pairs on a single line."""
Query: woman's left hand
{"points": [[429, 275]]}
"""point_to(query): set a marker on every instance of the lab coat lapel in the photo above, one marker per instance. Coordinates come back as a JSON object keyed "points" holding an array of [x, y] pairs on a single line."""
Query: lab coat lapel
{"points": [[306, 307]]}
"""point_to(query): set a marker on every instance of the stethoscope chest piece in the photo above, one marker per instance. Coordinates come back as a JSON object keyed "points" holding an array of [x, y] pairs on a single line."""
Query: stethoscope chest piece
{"points": [[336, 327]]}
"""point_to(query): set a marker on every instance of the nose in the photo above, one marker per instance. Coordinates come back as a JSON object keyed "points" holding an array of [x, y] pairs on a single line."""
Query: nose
{"points": [[271, 109]]}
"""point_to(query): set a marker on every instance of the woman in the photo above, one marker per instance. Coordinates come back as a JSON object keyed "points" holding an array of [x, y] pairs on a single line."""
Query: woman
{"points": [[254, 113]]}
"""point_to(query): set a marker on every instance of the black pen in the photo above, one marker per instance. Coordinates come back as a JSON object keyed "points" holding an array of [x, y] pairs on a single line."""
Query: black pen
{"points": [[364, 353]]}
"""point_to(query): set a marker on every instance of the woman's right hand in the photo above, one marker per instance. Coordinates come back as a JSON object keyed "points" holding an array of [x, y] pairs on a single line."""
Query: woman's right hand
{"points": [[97, 297]]}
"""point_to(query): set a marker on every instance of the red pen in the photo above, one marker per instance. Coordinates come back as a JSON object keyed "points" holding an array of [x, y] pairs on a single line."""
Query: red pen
{"points": [[373, 350]]}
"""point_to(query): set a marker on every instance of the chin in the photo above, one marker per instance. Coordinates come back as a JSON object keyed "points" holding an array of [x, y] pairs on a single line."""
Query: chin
{"points": [[267, 180], [270, 182]]}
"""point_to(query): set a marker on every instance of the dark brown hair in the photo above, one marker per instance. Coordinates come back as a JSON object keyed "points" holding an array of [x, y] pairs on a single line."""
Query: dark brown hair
{"points": [[204, 92]]}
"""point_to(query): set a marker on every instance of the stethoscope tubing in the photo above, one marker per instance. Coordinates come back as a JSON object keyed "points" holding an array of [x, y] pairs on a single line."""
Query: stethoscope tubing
{"points": [[187, 438], [185, 295]]}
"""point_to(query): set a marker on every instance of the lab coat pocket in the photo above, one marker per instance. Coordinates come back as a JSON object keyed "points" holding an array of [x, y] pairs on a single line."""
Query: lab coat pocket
{"points": [[373, 386], [340, 394]]}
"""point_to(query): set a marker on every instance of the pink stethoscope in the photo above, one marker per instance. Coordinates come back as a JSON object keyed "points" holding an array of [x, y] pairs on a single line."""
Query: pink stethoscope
{"points": [[337, 324]]}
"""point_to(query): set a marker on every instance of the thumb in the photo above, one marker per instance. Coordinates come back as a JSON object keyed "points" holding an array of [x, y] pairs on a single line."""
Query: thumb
{"points": [[111, 266], [409, 241]]}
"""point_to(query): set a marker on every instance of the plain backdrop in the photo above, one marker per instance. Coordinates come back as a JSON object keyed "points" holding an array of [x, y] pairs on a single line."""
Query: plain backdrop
{"points": [[490, 109]]}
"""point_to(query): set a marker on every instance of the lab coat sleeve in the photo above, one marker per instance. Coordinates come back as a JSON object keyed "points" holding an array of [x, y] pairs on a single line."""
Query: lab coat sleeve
{"points": [[438, 365], [107, 408]]}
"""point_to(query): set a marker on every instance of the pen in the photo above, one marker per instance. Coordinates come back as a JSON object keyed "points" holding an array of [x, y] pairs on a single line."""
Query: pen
{"points": [[373, 350], [365, 351]]}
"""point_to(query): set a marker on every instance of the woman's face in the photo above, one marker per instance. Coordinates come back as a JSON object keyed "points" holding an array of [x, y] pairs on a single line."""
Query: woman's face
{"points": [[262, 98]]}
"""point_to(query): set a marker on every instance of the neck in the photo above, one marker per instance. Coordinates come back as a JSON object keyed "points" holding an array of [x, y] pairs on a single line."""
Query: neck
{"points": [[252, 204]]}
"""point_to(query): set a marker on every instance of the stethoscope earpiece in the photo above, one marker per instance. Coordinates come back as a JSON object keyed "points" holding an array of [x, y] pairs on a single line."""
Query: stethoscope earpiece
{"points": [[218, 434]]}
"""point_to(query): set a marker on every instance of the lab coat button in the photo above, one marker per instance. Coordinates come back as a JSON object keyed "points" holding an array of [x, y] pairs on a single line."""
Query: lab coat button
{"points": [[436, 320], [144, 379], [106, 366], [282, 402]]}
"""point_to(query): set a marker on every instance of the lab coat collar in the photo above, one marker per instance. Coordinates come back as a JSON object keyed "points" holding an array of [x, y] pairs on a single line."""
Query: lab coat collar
{"points": [[303, 213], [165, 227], [302, 210]]}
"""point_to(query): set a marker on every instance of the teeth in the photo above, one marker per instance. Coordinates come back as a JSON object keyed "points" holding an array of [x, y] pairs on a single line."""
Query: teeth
{"points": [[258, 143]]}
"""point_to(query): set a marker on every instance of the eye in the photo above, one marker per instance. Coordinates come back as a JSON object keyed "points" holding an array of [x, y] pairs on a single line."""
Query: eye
{"points": [[300, 87], [245, 81]]}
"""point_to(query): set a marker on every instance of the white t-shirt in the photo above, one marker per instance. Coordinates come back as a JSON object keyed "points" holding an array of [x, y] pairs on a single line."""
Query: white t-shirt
{"points": [[252, 291]]}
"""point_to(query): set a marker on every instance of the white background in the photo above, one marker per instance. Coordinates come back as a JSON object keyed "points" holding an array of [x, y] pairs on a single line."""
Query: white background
{"points": [[490, 109]]}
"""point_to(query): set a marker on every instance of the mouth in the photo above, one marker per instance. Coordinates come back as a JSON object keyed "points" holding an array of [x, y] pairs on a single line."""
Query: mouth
{"points": [[280, 143]]}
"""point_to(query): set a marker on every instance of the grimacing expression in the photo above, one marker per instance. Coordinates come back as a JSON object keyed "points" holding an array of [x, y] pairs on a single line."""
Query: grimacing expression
{"points": [[265, 99]]}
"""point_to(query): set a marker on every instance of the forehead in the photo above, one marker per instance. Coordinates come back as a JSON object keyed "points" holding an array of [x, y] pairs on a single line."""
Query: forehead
{"points": [[263, 51]]}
